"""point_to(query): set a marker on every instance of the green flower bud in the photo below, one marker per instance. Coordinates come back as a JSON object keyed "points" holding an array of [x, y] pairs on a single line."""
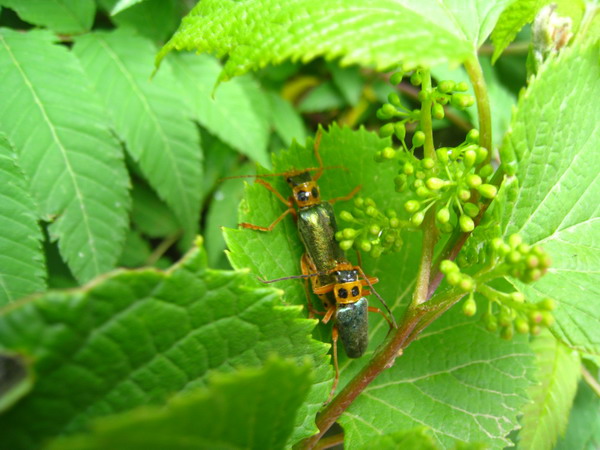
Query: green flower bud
{"points": [[547, 319], [339, 236], [442, 154], [464, 195], [473, 136], [423, 96], [532, 275], [418, 183], [532, 261], [535, 317], [471, 210], [514, 240], [487, 190], [412, 206], [521, 326], [394, 99], [428, 163], [417, 219], [359, 202], [469, 307], [453, 278], [423, 192], [470, 157], [408, 168], [377, 157], [491, 322], [375, 230], [462, 101], [461, 87], [517, 297], [388, 153], [505, 316], [386, 130], [435, 184], [420, 174], [437, 111], [443, 215], [365, 245], [418, 139], [371, 211], [486, 171], [346, 245], [390, 213], [394, 222], [466, 284], [547, 304], [376, 252], [381, 115], [446, 86], [369, 201], [482, 154], [535, 330], [400, 130], [397, 78], [466, 223], [446, 227], [524, 248], [389, 238], [389, 110], [513, 257], [473, 180], [447, 266], [442, 100], [497, 244], [347, 216], [349, 233], [416, 79]]}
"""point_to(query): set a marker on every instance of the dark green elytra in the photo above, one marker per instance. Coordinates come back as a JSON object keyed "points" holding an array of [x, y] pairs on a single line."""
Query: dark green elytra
{"points": [[353, 327]]}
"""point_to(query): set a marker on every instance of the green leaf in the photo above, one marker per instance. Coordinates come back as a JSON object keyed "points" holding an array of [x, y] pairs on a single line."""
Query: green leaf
{"points": [[419, 439], [237, 113], [324, 97], [557, 205], [22, 267], [285, 119], [65, 149], [516, 16], [122, 5], [441, 375], [150, 215], [149, 115], [380, 33], [349, 81], [135, 338], [136, 251], [547, 415], [62, 16], [251, 408], [16, 379], [583, 431], [154, 19]]}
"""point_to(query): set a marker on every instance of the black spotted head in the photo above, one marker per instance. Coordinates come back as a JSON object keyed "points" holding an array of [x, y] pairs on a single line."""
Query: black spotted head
{"points": [[348, 288]]}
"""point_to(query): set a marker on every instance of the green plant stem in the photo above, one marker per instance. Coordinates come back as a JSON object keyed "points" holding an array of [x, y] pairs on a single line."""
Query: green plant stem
{"points": [[591, 381], [426, 122], [518, 48], [330, 441], [162, 248], [483, 103], [414, 321]]}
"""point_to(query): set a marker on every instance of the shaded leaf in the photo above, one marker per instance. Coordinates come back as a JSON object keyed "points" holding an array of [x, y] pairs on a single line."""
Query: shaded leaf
{"points": [[547, 415], [557, 204], [237, 112], [138, 337], [16, 379], [419, 438], [583, 431], [22, 266], [250, 408], [136, 251], [150, 116], [150, 215], [65, 149], [380, 33], [62, 16], [285, 119]]}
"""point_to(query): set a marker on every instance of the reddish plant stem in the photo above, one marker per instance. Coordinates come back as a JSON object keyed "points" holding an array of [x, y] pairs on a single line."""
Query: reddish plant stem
{"points": [[330, 441]]}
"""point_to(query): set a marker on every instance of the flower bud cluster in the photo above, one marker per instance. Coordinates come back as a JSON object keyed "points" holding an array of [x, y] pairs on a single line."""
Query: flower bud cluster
{"points": [[455, 181], [371, 230], [507, 312]]}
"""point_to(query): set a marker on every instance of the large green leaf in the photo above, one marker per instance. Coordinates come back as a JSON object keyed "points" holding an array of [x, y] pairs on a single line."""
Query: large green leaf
{"points": [[250, 409], [583, 431], [149, 116], [62, 16], [381, 33], [444, 374], [22, 268], [547, 415], [238, 112], [74, 165], [136, 338], [554, 140]]}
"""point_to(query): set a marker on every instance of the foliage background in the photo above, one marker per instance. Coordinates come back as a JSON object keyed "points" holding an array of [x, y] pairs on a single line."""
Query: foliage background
{"points": [[103, 167]]}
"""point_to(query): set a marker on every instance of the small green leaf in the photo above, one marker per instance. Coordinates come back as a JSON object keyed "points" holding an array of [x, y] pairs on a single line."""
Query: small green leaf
{"points": [[380, 33], [62, 16], [135, 338], [16, 379], [22, 267], [237, 112], [324, 97], [557, 204], [150, 117], [65, 149], [250, 408], [285, 119], [122, 5], [349, 82], [547, 415], [136, 251], [150, 215], [583, 431], [419, 438]]}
